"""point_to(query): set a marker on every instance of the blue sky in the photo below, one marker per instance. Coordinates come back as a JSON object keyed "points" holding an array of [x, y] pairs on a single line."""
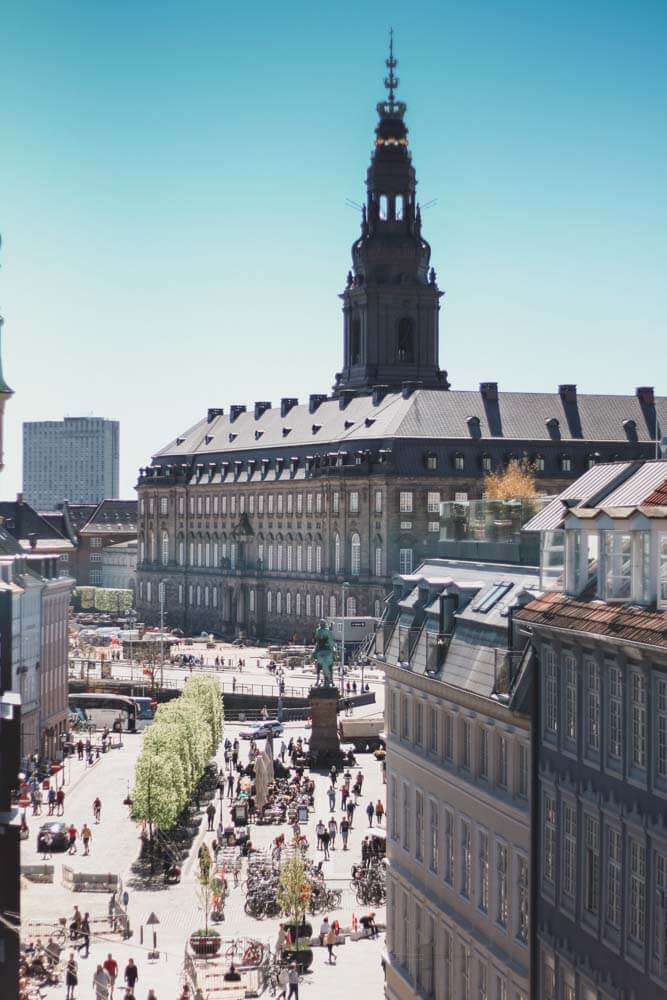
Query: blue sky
{"points": [[173, 180]]}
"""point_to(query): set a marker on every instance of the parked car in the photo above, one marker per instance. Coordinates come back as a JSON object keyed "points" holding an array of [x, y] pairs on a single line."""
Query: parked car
{"points": [[263, 729], [59, 838]]}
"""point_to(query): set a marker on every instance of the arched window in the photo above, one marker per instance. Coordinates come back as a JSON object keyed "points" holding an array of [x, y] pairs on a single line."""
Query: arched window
{"points": [[355, 342], [299, 557], [149, 591], [350, 607], [332, 606], [318, 558], [191, 553], [142, 551], [181, 552], [383, 207], [337, 552], [165, 548], [318, 606], [207, 554], [279, 603], [270, 554], [216, 553], [269, 601], [308, 605], [251, 600], [309, 557], [289, 557], [198, 595], [151, 545], [199, 554], [206, 595], [355, 554], [406, 340], [297, 605], [279, 561], [215, 597], [288, 603], [378, 560], [398, 207]]}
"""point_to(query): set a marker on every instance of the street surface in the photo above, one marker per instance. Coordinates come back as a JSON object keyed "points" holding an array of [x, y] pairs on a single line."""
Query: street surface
{"points": [[115, 847]]}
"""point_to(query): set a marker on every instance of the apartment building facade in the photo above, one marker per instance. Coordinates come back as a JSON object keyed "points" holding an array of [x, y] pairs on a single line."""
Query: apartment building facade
{"points": [[72, 459]]}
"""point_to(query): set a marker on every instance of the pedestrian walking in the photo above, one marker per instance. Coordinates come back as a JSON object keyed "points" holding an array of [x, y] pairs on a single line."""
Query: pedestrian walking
{"points": [[370, 812], [331, 792], [84, 933], [324, 930], [51, 799], [37, 802], [86, 837], [379, 812], [293, 981], [71, 976], [131, 976], [151, 995], [79, 749], [60, 801], [283, 750], [360, 781], [47, 840], [325, 843], [319, 830], [351, 806], [210, 812], [110, 966], [344, 830], [97, 809], [333, 774], [333, 830], [330, 940], [71, 838], [101, 983], [230, 786]]}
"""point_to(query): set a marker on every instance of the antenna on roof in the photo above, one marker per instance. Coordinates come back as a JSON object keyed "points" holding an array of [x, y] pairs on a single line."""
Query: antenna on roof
{"points": [[429, 204], [354, 204]]}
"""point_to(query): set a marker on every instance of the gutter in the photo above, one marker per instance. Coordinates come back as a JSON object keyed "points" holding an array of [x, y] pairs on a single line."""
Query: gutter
{"points": [[596, 635]]}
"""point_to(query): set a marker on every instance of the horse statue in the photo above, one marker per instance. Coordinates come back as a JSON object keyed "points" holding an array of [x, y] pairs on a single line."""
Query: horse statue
{"points": [[324, 653]]}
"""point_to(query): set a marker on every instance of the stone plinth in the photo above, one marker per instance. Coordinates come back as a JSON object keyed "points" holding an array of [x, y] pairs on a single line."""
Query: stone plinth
{"points": [[323, 703]]}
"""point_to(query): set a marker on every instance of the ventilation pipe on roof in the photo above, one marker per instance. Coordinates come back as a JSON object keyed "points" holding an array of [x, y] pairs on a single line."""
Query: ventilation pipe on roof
{"points": [[379, 392], [314, 400], [261, 406], [235, 411], [568, 393], [407, 388], [286, 404], [645, 393], [213, 412], [489, 391], [346, 395]]}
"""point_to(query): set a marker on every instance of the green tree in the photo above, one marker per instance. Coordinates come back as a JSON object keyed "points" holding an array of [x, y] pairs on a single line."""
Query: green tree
{"points": [[294, 891]]}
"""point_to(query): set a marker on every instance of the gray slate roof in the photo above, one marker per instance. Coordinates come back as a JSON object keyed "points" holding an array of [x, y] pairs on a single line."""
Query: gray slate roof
{"points": [[427, 413]]}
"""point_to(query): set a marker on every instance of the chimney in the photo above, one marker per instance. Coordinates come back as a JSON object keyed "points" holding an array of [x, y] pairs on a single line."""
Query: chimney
{"points": [[19, 498], [645, 394], [236, 410], [568, 393], [345, 396], [286, 404], [261, 406], [32, 540], [213, 412], [489, 391], [314, 400], [379, 392], [407, 388]]}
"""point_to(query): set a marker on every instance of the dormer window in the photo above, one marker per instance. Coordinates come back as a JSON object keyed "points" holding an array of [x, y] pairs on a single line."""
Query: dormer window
{"points": [[624, 572], [431, 462], [486, 463], [459, 462], [539, 463], [565, 463]]}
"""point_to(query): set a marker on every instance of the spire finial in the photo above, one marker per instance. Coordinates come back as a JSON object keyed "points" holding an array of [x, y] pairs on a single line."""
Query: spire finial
{"points": [[391, 82]]}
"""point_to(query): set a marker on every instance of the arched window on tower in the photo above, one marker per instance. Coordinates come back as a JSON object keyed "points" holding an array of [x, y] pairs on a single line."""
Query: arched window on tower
{"points": [[383, 207], [406, 340], [337, 553], [355, 342], [355, 555], [399, 208]]}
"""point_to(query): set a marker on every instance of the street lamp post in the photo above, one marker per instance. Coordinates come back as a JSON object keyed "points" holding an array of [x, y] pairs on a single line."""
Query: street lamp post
{"points": [[132, 618], [343, 588], [161, 591]]}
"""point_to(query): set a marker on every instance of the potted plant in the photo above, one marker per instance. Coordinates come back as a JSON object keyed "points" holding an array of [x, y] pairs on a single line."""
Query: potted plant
{"points": [[294, 893], [205, 941]]}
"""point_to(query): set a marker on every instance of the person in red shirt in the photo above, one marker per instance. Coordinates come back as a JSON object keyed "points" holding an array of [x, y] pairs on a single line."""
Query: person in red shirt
{"points": [[71, 836], [111, 968]]}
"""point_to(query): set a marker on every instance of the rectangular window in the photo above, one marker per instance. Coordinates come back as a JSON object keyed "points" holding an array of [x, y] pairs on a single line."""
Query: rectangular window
{"points": [[433, 502], [318, 503], [393, 808], [662, 569], [405, 502], [405, 561], [406, 525], [260, 505], [419, 723], [207, 505], [659, 914], [433, 729], [550, 692], [569, 880], [290, 503], [614, 873], [447, 956], [164, 505], [309, 503], [466, 859], [200, 506], [434, 838], [280, 500], [378, 501], [617, 562], [419, 824], [269, 504], [224, 506], [449, 846], [661, 727], [335, 502], [501, 762], [570, 698], [406, 817], [232, 505], [549, 839], [638, 695], [523, 771], [482, 980], [433, 526], [354, 503], [637, 929], [448, 737], [592, 673], [483, 849], [299, 503], [405, 722], [393, 712], [501, 988], [484, 753], [592, 864], [465, 973], [522, 900], [615, 742], [501, 885], [466, 739]]}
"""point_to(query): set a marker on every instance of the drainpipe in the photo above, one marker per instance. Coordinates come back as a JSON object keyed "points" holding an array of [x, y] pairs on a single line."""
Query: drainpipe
{"points": [[534, 826]]}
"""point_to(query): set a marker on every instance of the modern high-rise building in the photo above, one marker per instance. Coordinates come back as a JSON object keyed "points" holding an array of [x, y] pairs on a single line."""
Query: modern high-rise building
{"points": [[73, 459]]}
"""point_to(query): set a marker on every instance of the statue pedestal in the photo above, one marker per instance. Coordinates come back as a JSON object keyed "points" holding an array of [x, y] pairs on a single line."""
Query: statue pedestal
{"points": [[324, 741]]}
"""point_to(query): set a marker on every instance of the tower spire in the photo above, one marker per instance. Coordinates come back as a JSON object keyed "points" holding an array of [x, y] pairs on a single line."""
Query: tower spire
{"points": [[391, 82]]}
